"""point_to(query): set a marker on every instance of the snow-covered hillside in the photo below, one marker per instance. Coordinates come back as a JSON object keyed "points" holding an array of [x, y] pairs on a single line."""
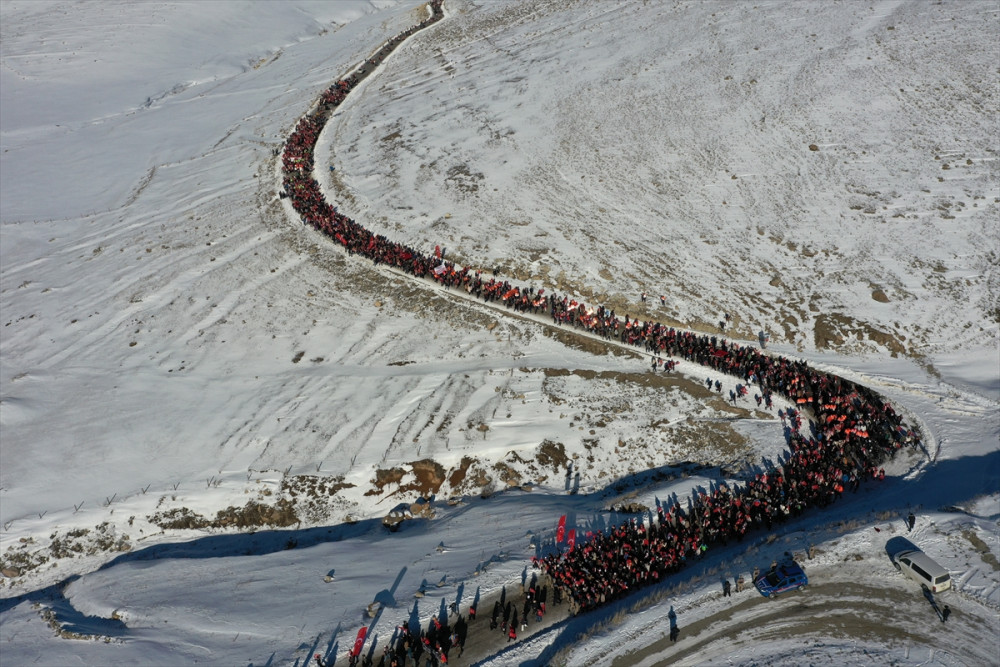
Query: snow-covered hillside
{"points": [[205, 407], [827, 172]]}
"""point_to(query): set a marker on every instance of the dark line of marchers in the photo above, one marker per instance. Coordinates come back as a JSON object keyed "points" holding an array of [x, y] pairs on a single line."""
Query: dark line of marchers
{"points": [[883, 431]]}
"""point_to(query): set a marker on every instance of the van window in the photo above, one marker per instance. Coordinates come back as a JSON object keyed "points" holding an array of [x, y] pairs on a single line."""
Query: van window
{"points": [[943, 578], [920, 571]]}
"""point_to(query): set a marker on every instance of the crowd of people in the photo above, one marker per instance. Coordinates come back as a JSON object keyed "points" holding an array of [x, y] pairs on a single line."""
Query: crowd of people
{"points": [[505, 614], [445, 634], [434, 644], [852, 431], [614, 563], [414, 646]]}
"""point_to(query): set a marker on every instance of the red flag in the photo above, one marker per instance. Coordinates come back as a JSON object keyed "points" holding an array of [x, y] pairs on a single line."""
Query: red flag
{"points": [[571, 540], [561, 530], [359, 642], [437, 251]]}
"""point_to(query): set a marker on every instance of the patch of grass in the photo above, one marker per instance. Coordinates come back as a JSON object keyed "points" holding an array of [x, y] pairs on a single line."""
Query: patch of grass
{"points": [[82, 541], [428, 475], [552, 454], [254, 514], [251, 515], [834, 329], [384, 477], [18, 559], [313, 486], [850, 526], [178, 519], [982, 549], [22, 558]]}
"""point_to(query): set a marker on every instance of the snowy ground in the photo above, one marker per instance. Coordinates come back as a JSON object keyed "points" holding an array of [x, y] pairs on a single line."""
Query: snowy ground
{"points": [[173, 342]]}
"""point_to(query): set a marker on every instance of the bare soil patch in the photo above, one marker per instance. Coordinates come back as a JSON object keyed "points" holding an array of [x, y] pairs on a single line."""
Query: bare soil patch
{"points": [[983, 549], [651, 380], [832, 330], [428, 477], [553, 455]]}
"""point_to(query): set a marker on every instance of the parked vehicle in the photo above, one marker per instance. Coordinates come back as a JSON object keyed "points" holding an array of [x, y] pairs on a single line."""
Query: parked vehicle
{"points": [[922, 569], [786, 577]]}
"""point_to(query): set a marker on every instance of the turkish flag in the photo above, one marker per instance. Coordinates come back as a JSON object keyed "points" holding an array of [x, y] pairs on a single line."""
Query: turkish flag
{"points": [[359, 642]]}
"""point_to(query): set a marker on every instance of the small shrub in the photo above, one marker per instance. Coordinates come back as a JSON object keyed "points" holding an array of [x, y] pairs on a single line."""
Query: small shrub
{"points": [[179, 519]]}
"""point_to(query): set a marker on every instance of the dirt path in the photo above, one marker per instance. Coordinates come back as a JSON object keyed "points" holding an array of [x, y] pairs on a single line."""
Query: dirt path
{"points": [[482, 642], [885, 616]]}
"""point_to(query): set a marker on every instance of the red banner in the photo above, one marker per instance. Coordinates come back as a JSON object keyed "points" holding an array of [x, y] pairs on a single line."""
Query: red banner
{"points": [[437, 251], [359, 642], [561, 530], [571, 540]]}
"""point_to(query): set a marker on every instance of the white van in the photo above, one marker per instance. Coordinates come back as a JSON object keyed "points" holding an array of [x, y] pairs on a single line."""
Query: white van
{"points": [[922, 569]]}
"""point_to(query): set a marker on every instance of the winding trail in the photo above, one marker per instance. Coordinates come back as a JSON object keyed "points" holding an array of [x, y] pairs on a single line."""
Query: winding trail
{"points": [[854, 430]]}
